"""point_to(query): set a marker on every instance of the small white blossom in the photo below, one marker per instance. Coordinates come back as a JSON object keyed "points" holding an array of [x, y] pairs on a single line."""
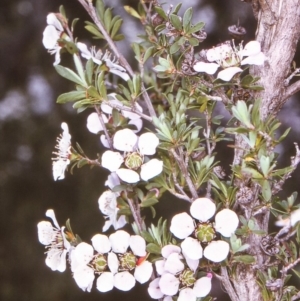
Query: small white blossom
{"points": [[108, 206], [51, 34], [99, 58], [202, 209], [291, 221], [134, 149], [229, 58], [55, 241], [61, 162]]}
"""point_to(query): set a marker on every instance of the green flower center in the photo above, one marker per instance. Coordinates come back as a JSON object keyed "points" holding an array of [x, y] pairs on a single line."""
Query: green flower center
{"points": [[133, 161], [187, 278], [205, 232], [100, 263], [127, 262]]}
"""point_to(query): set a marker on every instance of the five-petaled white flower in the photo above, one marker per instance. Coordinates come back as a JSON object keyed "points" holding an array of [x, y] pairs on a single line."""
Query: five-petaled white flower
{"points": [[55, 241], [135, 148], [114, 269], [98, 57], [108, 206], [51, 35], [229, 58], [202, 209], [174, 277], [61, 162]]}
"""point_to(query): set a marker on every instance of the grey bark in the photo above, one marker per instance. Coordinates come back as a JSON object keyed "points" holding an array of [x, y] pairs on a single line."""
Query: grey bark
{"points": [[278, 31]]}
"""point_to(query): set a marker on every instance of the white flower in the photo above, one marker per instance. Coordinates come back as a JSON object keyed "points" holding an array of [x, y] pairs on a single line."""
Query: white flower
{"points": [[108, 206], [63, 153], [135, 148], [290, 221], [230, 58], [123, 279], [55, 241], [99, 58], [202, 209], [51, 34]]}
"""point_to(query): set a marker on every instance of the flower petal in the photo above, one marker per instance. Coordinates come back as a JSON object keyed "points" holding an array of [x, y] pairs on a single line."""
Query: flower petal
{"points": [[58, 169], [191, 248], [151, 169], [105, 282], [113, 262], [56, 259], [112, 180], [111, 160], [50, 213], [169, 249], [124, 281], [84, 277], [216, 251], [108, 202], [251, 48], [203, 209], [209, 68], [228, 73], [226, 222], [93, 123], [169, 284], [182, 225], [187, 294], [143, 272], [257, 59], [137, 245], [119, 241], [154, 289], [83, 253], [46, 234], [128, 175], [202, 287], [125, 140], [53, 20], [101, 243], [50, 37], [147, 143], [173, 264]]}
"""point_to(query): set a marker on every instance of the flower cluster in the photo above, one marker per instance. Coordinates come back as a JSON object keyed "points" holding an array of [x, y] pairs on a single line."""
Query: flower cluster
{"points": [[94, 125], [175, 276], [99, 58], [229, 58], [134, 148], [55, 241], [63, 153], [202, 209], [113, 262]]}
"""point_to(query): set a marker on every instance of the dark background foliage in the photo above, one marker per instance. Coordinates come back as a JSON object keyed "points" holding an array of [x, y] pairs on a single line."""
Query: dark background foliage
{"points": [[29, 124]]}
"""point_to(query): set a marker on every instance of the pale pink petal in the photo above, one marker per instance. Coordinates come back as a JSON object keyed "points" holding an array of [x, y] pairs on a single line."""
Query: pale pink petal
{"points": [[160, 266], [93, 123], [169, 249], [202, 287], [125, 140], [169, 284], [111, 160], [187, 294], [154, 289], [173, 264], [192, 248], [257, 59], [251, 48], [147, 144]]}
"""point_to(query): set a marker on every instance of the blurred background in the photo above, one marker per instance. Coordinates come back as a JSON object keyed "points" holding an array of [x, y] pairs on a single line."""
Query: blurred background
{"points": [[30, 122]]}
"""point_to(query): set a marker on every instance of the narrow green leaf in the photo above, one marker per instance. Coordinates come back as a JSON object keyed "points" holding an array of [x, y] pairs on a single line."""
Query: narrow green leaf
{"points": [[116, 27], [100, 9], [131, 11], [153, 249], [74, 22], [71, 96], [175, 21], [69, 74], [187, 18], [107, 19], [149, 202], [94, 31], [247, 259], [161, 12], [174, 48], [196, 27], [89, 70], [79, 68]]}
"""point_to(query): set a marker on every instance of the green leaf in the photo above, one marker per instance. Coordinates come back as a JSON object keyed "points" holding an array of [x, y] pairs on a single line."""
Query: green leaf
{"points": [[161, 12], [92, 91], [74, 22], [71, 96], [100, 8], [107, 19], [148, 53], [266, 190], [247, 259], [174, 48], [79, 68], [116, 27], [89, 70], [149, 202], [196, 27], [131, 11], [153, 249], [175, 21], [187, 18], [69, 74], [92, 29]]}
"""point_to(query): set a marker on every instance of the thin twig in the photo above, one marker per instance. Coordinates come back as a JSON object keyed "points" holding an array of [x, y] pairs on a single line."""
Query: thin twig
{"points": [[91, 11], [135, 211]]}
